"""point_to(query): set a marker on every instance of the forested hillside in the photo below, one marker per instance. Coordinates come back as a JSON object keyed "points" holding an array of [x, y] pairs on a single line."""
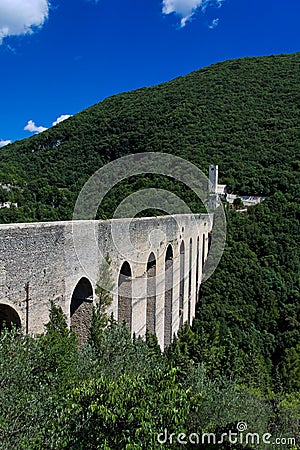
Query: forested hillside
{"points": [[240, 361], [241, 114]]}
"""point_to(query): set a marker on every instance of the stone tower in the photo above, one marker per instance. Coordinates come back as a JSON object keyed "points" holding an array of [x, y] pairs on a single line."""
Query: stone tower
{"points": [[213, 174]]}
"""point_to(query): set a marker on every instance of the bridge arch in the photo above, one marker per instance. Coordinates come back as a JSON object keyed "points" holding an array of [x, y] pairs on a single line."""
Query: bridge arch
{"points": [[9, 317], [168, 295], [203, 250], [81, 308], [151, 294], [197, 269], [125, 295], [182, 282], [190, 281]]}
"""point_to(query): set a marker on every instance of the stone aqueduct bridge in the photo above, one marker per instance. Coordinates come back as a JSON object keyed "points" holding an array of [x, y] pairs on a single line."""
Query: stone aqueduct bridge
{"points": [[156, 285]]}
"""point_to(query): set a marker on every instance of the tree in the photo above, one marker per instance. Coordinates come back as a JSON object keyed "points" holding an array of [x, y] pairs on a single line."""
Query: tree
{"points": [[57, 320], [238, 203], [104, 288]]}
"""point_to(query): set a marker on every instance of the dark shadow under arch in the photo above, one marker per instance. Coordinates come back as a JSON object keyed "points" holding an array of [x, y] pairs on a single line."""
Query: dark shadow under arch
{"points": [[197, 269], [190, 280], [125, 295], [203, 251], [181, 285], [151, 294], [81, 309], [8, 317], [168, 295]]}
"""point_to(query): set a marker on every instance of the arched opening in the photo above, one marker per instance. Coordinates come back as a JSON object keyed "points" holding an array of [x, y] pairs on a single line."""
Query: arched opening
{"points": [[197, 270], [81, 309], [9, 318], [209, 238], [181, 285], [203, 250], [190, 280], [168, 295], [151, 294], [125, 295]]}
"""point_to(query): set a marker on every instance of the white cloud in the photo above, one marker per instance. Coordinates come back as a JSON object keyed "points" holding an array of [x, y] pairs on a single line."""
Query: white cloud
{"points": [[33, 128], [61, 118], [186, 8], [3, 143], [19, 17], [214, 24]]}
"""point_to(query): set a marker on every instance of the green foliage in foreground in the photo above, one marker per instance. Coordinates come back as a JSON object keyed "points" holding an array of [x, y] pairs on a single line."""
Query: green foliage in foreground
{"points": [[121, 395]]}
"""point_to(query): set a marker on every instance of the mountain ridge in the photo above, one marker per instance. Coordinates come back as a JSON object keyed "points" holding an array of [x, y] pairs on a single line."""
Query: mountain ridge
{"points": [[242, 114]]}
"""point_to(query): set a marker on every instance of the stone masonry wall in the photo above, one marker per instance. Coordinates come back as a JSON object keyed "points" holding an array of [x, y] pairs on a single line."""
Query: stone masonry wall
{"points": [[43, 255]]}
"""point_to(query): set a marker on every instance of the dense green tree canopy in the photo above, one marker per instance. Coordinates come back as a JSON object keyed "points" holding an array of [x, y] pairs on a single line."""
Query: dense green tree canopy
{"points": [[241, 114]]}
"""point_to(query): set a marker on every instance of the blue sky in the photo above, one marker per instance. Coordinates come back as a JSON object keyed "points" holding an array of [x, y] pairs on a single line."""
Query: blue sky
{"points": [[59, 57]]}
